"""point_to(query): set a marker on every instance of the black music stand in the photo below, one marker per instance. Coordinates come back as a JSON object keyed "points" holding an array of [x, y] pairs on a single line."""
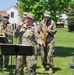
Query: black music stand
{"points": [[3, 39], [10, 49]]}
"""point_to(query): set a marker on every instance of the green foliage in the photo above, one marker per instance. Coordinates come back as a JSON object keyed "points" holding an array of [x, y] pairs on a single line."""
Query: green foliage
{"points": [[72, 4], [71, 21], [33, 6], [37, 7]]}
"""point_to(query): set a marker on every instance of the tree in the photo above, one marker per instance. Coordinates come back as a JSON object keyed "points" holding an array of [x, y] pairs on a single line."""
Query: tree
{"points": [[37, 7], [71, 4], [71, 21]]}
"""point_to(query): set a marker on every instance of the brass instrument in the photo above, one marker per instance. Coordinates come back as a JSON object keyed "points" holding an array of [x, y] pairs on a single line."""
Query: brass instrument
{"points": [[2, 34], [44, 32]]}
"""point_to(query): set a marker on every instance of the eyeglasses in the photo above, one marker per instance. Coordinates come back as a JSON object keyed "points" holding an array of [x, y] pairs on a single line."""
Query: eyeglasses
{"points": [[6, 17]]}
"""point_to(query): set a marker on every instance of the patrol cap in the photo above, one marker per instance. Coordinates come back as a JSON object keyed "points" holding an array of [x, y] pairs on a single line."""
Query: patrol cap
{"points": [[6, 16], [25, 14], [47, 14], [30, 16]]}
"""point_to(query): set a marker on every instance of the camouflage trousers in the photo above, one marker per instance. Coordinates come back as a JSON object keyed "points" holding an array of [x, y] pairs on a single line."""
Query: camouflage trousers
{"points": [[3, 61], [6, 61], [31, 65], [1, 58], [31, 62], [47, 54]]}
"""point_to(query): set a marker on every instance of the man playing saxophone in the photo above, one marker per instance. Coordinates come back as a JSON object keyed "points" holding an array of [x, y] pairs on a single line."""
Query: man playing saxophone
{"points": [[47, 30]]}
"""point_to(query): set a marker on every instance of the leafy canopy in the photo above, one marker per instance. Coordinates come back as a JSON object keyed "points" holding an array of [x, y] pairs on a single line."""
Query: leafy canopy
{"points": [[37, 7]]}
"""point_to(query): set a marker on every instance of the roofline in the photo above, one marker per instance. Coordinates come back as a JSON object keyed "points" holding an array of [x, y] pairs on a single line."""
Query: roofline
{"points": [[13, 7]]}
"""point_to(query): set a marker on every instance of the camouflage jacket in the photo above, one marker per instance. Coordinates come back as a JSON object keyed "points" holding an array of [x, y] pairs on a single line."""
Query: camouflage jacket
{"points": [[8, 28], [51, 29], [30, 35]]}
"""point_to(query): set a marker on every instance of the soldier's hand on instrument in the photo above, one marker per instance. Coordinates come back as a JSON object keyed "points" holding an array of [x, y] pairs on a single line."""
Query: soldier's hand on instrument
{"points": [[50, 31], [20, 58], [42, 44]]}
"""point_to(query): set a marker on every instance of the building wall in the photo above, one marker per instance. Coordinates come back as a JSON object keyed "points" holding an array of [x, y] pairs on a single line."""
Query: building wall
{"points": [[16, 18]]}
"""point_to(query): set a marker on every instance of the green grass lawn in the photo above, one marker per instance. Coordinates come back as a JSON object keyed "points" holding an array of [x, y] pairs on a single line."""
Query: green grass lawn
{"points": [[63, 55]]}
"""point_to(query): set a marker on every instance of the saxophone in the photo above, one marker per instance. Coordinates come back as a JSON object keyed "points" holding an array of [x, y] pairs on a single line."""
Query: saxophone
{"points": [[44, 32]]}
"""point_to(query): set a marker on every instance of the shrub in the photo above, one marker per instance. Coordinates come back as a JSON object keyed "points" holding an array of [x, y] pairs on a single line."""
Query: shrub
{"points": [[71, 21]]}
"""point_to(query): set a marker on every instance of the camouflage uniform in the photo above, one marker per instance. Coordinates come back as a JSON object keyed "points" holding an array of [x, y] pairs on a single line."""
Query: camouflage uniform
{"points": [[9, 35], [48, 50], [17, 32], [30, 38]]}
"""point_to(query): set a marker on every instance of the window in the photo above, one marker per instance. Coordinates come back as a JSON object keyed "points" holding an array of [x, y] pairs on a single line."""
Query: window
{"points": [[12, 14]]}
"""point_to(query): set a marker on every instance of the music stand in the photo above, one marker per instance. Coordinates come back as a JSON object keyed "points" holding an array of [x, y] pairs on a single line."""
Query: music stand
{"points": [[10, 49], [24, 50], [3, 39]]}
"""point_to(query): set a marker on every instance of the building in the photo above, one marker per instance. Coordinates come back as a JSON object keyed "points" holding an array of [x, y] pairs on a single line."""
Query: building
{"points": [[14, 14]]}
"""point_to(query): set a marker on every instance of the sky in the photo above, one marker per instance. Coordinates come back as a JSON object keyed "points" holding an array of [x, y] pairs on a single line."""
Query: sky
{"points": [[6, 4]]}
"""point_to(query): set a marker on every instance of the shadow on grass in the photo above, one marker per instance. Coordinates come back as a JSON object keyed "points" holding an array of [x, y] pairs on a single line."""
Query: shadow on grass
{"points": [[38, 67], [11, 66], [63, 51], [60, 51], [46, 73], [9, 69], [56, 69], [42, 73]]}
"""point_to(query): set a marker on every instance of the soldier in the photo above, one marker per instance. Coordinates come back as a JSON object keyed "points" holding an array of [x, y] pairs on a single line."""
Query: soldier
{"points": [[18, 34], [47, 29], [6, 29], [30, 38], [17, 31]]}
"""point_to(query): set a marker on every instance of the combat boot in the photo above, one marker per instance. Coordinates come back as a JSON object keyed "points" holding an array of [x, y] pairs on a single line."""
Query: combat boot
{"points": [[5, 67], [50, 70]]}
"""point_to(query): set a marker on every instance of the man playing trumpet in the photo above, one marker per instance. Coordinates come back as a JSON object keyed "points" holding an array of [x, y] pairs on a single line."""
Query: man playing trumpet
{"points": [[47, 29]]}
